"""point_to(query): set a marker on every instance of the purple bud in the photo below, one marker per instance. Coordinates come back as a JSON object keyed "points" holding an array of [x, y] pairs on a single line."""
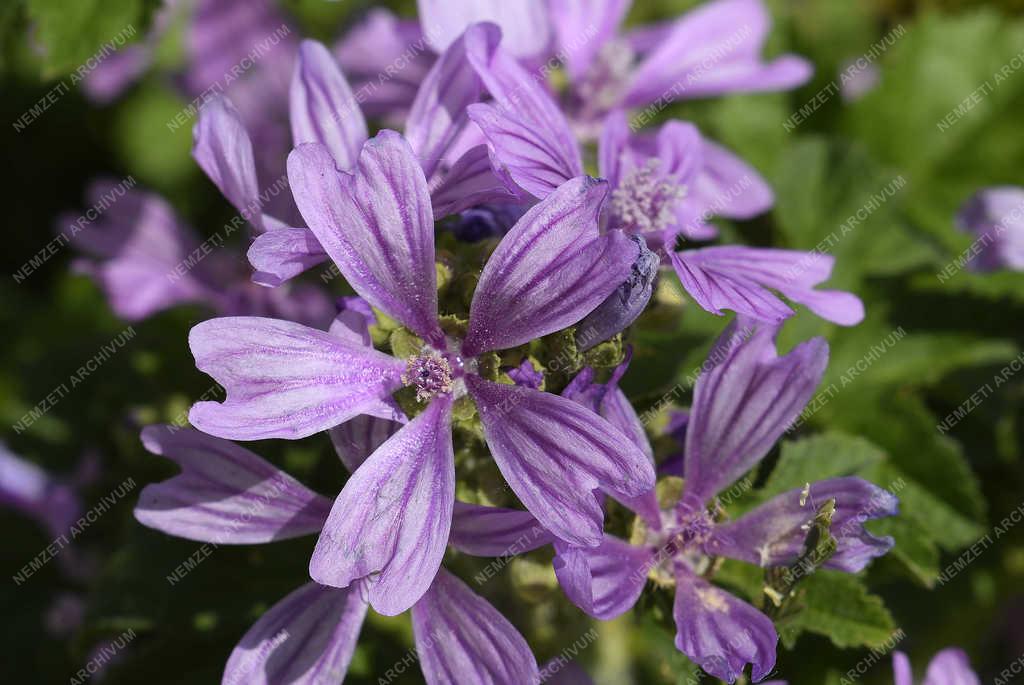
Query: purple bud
{"points": [[625, 304]]}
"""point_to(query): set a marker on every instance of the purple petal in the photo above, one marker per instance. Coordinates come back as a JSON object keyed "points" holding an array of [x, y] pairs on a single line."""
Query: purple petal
{"points": [[386, 59], [284, 380], [225, 33], [438, 113], [358, 438], [603, 581], [719, 632], [995, 216], [582, 28], [727, 186], [27, 488], [470, 182], [614, 156], [549, 271], [620, 309], [527, 134], [461, 638], [742, 406], [951, 667], [555, 453], [495, 532], [307, 637], [376, 225], [738, 278], [902, 673], [773, 534], [713, 50], [223, 150], [322, 108], [284, 253], [526, 31], [224, 494], [392, 519], [116, 72]]}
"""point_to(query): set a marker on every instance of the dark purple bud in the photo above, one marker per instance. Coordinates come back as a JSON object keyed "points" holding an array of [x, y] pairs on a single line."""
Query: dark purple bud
{"points": [[487, 221], [625, 304]]}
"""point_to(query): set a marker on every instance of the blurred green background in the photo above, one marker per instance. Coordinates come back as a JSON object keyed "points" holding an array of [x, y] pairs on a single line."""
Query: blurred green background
{"points": [[956, 336]]}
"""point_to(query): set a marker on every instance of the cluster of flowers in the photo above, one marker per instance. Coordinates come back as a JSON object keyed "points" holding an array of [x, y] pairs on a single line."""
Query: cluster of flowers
{"points": [[436, 357]]}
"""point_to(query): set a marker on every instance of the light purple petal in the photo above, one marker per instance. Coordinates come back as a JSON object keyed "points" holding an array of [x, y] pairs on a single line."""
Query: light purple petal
{"points": [[603, 581], [223, 150], [283, 379], [307, 637], [225, 493], [742, 406], [582, 28], [614, 156], [322, 108], [438, 113], [137, 287], [902, 673], [461, 638], [713, 50], [284, 253], [495, 532], [773, 534], [524, 24], [376, 225], [555, 453], [385, 59], [951, 667], [224, 33], [27, 488], [391, 521], [727, 186], [549, 271], [739, 278], [470, 182], [527, 134], [116, 72], [356, 439], [719, 632]]}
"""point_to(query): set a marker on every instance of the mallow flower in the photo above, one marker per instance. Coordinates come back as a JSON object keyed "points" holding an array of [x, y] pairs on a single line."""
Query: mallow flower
{"points": [[714, 49], [949, 667], [323, 109], [995, 216], [741, 406], [285, 380], [227, 495], [665, 187], [146, 259]]}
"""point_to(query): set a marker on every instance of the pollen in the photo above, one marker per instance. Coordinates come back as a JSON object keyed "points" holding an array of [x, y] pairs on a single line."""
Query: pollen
{"points": [[646, 200], [430, 374]]}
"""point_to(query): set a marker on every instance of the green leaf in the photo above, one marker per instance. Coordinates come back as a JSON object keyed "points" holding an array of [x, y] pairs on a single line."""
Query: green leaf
{"points": [[915, 550], [829, 455], [838, 606], [75, 32]]}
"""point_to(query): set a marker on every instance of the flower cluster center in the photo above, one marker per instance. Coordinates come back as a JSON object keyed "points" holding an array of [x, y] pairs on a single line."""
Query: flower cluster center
{"points": [[605, 81], [430, 373], [646, 200]]}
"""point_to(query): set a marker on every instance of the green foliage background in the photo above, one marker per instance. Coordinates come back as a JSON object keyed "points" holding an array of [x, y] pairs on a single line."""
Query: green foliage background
{"points": [[881, 422]]}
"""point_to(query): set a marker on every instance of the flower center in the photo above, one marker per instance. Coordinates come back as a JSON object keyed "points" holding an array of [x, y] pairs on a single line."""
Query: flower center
{"points": [[645, 200], [604, 83], [430, 374]]}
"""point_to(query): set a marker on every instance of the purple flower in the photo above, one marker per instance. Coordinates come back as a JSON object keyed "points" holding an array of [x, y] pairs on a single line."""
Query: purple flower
{"points": [[712, 50], [288, 381], [741, 406], [227, 495], [146, 260], [996, 217], [664, 186], [323, 110], [949, 667]]}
